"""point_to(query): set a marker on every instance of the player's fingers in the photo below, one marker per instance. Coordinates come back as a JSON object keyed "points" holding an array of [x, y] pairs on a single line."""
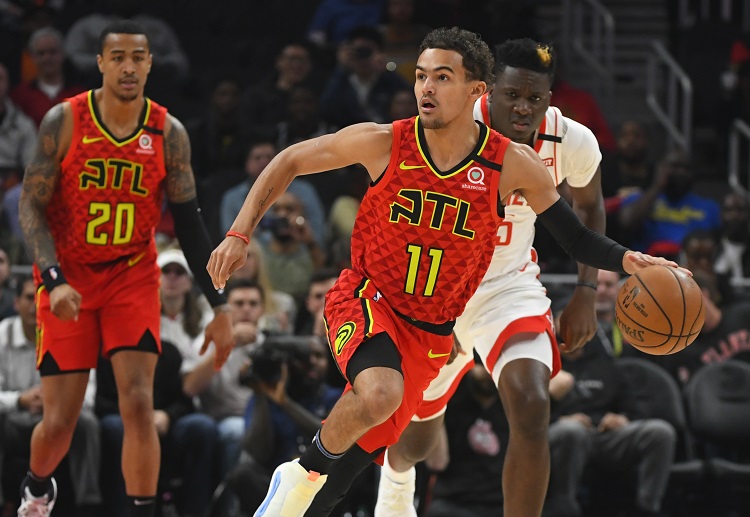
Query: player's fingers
{"points": [[224, 270]]}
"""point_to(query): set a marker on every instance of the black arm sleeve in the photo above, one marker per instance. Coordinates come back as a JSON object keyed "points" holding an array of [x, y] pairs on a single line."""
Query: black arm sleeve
{"points": [[584, 245], [196, 245]]}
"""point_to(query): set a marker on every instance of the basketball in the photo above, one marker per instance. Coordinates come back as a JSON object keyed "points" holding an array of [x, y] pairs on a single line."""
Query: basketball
{"points": [[660, 310]]}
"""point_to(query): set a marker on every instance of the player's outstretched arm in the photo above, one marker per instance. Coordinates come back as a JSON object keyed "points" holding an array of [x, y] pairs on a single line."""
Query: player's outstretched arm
{"points": [[524, 172], [193, 235], [367, 143], [578, 321]]}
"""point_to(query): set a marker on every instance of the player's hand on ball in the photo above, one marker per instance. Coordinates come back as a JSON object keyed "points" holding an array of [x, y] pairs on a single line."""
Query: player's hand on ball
{"points": [[635, 261], [227, 258], [65, 302]]}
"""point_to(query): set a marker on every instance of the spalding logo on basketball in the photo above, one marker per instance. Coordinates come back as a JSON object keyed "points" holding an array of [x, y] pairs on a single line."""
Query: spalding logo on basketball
{"points": [[660, 310]]}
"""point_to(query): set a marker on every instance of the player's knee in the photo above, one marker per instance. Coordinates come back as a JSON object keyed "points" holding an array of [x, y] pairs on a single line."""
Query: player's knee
{"points": [[60, 425], [136, 404], [379, 400], [529, 413]]}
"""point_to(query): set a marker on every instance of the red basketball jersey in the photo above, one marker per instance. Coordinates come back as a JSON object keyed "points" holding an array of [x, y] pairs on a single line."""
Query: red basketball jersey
{"points": [[423, 236], [109, 198]]}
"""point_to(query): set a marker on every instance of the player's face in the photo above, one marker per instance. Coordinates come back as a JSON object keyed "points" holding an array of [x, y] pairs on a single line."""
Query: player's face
{"points": [[518, 103], [441, 88], [125, 62]]}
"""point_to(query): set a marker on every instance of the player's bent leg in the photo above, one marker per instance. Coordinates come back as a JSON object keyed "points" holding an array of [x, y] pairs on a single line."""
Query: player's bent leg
{"points": [[524, 390], [134, 376], [62, 398], [397, 478], [377, 390]]}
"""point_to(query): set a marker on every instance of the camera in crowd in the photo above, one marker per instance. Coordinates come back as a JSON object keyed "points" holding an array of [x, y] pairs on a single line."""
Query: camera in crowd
{"points": [[268, 357]]}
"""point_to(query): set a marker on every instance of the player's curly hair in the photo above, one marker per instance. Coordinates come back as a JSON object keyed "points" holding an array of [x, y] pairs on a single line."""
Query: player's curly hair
{"points": [[527, 54], [477, 56]]}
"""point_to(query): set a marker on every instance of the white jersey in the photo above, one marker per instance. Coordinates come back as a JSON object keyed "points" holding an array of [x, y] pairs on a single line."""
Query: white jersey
{"points": [[570, 152]]}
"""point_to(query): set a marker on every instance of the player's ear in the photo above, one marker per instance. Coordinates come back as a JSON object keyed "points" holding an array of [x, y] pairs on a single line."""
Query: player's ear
{"points": [[479, 88], [99, 63]]}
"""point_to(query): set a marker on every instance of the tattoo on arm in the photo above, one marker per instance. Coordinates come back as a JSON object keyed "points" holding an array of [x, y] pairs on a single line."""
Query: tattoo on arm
{"points": [[40, 180], [256, 216], [180, 179]]}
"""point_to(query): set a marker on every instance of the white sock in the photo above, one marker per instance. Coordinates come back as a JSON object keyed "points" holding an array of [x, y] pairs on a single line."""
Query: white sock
{"points": [[398, 477]]}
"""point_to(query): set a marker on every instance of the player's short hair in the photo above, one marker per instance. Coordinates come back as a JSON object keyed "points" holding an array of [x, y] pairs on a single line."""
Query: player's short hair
{"points": [[122, 27], [477, 57], [527, 54]]}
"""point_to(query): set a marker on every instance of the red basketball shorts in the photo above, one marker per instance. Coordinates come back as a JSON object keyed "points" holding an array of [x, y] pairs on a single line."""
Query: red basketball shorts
{"points": [[119, 303], [355, 311]]}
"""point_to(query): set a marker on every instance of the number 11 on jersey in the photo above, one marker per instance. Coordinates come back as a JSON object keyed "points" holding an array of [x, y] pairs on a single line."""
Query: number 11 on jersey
{"points": [[415, 254]]}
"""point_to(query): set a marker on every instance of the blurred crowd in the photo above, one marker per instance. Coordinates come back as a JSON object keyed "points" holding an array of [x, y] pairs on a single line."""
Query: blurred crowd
{"points": [[246, 89]]}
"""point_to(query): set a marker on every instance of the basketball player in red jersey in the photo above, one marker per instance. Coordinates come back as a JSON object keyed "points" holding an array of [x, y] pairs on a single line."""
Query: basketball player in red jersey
{"points": [[91, 200], [423, 239]]}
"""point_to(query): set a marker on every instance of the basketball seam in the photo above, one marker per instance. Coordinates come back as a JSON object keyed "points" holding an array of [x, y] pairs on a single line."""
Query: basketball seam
{"points": [[684, 311]]}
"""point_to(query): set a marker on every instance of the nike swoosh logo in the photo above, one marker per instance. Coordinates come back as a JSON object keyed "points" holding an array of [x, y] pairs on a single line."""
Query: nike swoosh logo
{"points": [[90, 140], [432, 355], [135, 260], [405, 167]]}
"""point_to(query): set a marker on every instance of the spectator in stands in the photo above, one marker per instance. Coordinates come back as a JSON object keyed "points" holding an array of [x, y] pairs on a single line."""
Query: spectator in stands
{"points": [[593, 425], [284, 413], [280, 309], [320, 282], [264, 106], [260, 154], [725, 334], [734, 254], [333, 20], [221, 395], [303, 120], [188, 439], [8, 287], [171, 66], [470, 451], [661, 216], [50, 86], [401, 38], [17, 137], [608, 285], [402, 106], [291, 254], [582, 107], [217, 139], [626, 171], [21, 404], [360, 88]]}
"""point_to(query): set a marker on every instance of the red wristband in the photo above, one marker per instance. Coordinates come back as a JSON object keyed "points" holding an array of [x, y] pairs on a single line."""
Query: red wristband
{"points": [[239, 235]]}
